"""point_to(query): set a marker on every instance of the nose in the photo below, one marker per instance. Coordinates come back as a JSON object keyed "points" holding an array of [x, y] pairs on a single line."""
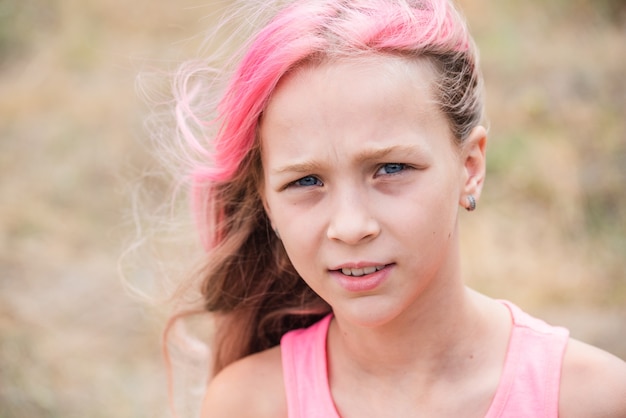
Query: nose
{"points": [[352, 219]]}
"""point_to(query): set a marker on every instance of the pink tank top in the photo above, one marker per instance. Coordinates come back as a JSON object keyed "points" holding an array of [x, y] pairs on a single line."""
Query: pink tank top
{"points": [[529, 385]]}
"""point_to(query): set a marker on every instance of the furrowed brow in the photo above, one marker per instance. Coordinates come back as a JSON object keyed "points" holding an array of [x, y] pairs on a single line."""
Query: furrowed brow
{"points": [[303, 167], [378, 154], [307, 167]]}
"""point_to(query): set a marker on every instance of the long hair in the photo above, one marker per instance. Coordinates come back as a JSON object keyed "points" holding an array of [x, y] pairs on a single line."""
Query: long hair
{"points": [[248, 282]]}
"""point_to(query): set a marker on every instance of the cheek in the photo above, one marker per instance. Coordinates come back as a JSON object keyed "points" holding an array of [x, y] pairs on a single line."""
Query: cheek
{"points": [[300, 237], [303, 259], [293, 214], [430, 209], [303, 239]]}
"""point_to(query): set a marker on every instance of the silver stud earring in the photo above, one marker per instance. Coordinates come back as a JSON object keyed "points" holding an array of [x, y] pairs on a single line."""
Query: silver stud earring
{"points": [[471, 203]]}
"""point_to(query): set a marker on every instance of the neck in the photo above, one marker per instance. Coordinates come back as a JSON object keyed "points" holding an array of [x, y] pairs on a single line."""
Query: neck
{"points": [[419, 368], [426, 338]]}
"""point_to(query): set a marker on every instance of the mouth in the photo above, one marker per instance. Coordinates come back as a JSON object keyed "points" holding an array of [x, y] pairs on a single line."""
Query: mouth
{"points": [[358, 272], [361, 277]]}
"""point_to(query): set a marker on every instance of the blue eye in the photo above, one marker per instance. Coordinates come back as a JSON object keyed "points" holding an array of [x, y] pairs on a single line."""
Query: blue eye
{"points": [[308, 181], [391, 168]]}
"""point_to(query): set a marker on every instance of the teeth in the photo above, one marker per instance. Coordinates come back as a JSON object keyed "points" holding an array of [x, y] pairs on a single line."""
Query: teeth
{"points": [[360, 272]]}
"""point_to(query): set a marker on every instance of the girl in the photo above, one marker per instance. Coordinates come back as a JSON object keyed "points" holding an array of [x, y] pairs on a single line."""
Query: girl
{"points": [[349, 137]]}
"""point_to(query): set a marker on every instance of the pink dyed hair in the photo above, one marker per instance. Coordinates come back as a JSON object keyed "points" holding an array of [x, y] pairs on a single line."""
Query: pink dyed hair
{"points": [[331, 29], [248, 279], [323, 29]]}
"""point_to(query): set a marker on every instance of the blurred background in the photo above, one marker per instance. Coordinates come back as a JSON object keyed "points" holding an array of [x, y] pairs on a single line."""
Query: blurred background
{"points": [[549, 232]]}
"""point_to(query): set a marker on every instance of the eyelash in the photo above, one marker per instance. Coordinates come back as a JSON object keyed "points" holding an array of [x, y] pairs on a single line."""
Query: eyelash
{"points": [[400, 167], [298, 183]]}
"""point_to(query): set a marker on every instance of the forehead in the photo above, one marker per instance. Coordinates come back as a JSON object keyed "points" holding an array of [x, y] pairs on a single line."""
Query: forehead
{"points": [[353, 103], [394, 83], [379, 71]]}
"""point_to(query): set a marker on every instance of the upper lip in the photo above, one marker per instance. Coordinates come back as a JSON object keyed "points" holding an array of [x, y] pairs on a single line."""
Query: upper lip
{"points": [[358, 265]]}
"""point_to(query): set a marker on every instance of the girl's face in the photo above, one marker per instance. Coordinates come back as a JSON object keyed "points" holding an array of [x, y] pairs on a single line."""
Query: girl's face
{"points": [[363, 182]]}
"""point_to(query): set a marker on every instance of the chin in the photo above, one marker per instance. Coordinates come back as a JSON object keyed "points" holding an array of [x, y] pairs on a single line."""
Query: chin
{"points": [[368, 312]]}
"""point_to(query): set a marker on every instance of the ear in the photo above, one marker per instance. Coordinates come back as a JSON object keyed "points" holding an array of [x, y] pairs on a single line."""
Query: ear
{"points": [[473, 154]]}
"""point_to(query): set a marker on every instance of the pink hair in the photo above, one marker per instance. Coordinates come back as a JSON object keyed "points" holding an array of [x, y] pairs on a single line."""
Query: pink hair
{"points": [[307, 30], [227, 178], [322, 28]]}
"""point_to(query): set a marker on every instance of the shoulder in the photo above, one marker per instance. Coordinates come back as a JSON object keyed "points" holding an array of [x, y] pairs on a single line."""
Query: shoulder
{"points": [[250, 387], [593, 383]]}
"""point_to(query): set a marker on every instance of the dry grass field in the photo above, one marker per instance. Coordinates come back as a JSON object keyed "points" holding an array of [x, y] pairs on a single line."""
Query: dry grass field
{"points": [[549, 234]]}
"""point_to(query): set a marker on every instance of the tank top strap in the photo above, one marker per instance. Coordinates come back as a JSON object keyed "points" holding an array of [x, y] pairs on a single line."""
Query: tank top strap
{"points": [[305, 372], [531, 377]]}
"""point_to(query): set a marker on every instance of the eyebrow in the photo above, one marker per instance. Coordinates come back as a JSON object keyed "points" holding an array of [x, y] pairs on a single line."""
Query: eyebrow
{"points": [[377, 154], [363, 156]]}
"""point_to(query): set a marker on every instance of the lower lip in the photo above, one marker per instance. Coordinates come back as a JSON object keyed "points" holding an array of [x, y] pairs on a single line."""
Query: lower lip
{"points": [[365, 283]]}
